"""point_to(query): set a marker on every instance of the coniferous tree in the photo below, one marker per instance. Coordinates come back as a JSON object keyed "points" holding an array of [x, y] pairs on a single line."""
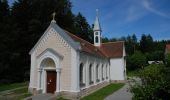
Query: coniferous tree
{"points": [[82, 28], [22, 27], [5, 40]]}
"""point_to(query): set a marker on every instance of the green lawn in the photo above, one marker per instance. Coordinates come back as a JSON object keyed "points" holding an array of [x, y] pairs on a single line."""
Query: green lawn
{"points": [[17, 91], [4, 87], [103, 92]]}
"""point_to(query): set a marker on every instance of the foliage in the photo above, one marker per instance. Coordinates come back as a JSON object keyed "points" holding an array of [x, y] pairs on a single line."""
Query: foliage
{"points": [[102, 93], [146, 43], [136, 61], [167, 59], [132, 73], [155, 83], [22, 26], [83, 29], [155, 56]]}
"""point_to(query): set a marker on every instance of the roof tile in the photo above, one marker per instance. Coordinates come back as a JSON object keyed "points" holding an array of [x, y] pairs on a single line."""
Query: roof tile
{"points": [[109, 50]]}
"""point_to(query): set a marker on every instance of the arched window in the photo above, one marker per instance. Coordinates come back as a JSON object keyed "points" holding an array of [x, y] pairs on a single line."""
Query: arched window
{"points": [[97, 73], [97, 39], [96, 33], [106, 72], [81, 75], [90, 74], [102, 72]]}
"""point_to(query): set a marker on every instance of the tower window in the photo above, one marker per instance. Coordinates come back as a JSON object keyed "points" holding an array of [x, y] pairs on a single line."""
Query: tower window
{"points": [[96, 39], [96, 33]]}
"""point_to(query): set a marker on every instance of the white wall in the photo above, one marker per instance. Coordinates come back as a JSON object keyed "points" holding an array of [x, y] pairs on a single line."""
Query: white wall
{"points": [[87, 59], [117, 67], [32, 83], [74, 71]]}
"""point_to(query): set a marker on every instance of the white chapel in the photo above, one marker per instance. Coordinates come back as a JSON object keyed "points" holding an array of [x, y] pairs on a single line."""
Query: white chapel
{"points": [[64, 64]]}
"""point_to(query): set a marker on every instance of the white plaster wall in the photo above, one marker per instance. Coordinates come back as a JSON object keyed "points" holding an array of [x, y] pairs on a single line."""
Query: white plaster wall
{"points": [[117, 68], [87, 59], [33, 70], [75, 71]]}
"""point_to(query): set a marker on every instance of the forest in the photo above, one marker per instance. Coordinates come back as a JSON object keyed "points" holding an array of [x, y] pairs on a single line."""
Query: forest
{"points": [[22, 24]]}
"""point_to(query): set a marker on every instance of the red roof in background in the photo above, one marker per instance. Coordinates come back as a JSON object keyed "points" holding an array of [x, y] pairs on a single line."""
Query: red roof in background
{"points": [[168, 47], [113, 49], [110, 50]]}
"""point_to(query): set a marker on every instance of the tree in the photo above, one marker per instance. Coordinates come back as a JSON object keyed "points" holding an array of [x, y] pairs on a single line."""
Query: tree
{"points": [[5, 40], [82, 28], [22, 26], [4, 10], [136, 61], [167, 59], [105, 39], [131, 44], [155, 83], [146, 43]]}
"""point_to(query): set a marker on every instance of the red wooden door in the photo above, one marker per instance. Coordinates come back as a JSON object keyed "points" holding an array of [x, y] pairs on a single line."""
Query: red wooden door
{"points": [[51, 81]]}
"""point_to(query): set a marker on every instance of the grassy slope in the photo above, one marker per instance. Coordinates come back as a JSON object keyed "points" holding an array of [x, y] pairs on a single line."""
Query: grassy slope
{"points": [[11, 86], [104, 92], [20, 91]]}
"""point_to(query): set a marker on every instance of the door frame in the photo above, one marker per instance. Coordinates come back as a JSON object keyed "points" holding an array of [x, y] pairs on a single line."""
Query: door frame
{"points": [[45, 78], [55, 80]]}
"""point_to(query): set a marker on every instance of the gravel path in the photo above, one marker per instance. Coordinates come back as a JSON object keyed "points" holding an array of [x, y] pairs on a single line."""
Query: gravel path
{"points": [[121, 94]]}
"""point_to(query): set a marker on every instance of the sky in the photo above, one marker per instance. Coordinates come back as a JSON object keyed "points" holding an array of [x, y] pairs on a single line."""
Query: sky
{"points": [[125, 17]]}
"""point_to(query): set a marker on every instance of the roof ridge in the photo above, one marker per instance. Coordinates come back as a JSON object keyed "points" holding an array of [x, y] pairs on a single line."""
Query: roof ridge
{"points": [[79, 38], [113, 42]]}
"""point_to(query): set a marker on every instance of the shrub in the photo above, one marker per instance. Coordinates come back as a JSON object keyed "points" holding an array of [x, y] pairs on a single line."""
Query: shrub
{"points": [[136, 61], [155, 83], [167, 59]]}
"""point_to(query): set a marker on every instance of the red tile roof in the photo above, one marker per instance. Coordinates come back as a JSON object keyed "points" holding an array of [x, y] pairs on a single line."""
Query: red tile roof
{"points": [[113, 49], [168, 47], [109, 50]]}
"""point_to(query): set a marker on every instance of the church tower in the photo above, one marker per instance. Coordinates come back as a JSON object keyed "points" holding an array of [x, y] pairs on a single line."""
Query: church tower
{"points": [[97, 31]]}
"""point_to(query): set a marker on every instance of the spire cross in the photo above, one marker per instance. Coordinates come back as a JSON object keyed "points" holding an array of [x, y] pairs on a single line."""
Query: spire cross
{"points": [[53, 21], [54, 15], [97, 12]]}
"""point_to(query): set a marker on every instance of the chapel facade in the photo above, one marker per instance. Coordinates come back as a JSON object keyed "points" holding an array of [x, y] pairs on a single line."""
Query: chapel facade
{"points": [[64, 64]]}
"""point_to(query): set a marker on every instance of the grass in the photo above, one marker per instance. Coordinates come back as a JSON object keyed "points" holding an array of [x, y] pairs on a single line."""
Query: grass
{"points": [[4, 87], [22, 90], [22, 96], [18, 91], [132, 73], [103, 92]]}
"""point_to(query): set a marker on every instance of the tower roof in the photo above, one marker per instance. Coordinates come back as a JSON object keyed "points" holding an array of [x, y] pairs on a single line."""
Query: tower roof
{"points": [[96, 23]]}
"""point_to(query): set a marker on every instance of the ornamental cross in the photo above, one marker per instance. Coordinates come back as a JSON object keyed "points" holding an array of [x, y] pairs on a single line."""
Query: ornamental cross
{"points": [[97, 12], [54, 15]]}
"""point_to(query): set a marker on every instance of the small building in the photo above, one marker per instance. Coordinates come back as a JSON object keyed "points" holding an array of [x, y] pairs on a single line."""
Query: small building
{"points": [[167, 49], [62, 63]]}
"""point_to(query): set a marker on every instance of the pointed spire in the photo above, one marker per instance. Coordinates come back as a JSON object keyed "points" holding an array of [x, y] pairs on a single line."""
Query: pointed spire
{"points": [[53, 21], [96, 23]]}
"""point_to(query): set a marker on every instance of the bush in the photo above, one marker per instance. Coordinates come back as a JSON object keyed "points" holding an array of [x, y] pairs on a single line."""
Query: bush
{"points": [[155, 83], [136, 61], [167, 59]]}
